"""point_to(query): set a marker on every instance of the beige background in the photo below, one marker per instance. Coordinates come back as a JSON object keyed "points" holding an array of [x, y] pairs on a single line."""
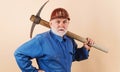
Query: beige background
{"points": [[98, 19]]}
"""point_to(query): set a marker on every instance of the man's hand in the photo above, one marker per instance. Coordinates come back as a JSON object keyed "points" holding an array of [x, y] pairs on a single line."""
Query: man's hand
{"points": [[41, 71], [89, 43]]}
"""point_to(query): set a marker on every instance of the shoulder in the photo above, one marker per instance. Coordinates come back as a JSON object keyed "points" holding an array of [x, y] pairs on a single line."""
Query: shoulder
{"points": [[72, 40], [42, 36], [69, 38]]}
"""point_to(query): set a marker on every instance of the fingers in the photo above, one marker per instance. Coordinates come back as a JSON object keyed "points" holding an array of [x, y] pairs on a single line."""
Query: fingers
{"points": [[89, 42], [41, 71]]}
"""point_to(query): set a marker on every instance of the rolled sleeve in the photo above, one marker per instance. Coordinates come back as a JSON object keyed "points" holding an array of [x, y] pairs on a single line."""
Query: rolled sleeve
{"points": [[81, 54]]}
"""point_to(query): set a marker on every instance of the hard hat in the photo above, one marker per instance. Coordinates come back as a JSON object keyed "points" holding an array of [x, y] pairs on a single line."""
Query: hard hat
{"points": [[59, 13]]}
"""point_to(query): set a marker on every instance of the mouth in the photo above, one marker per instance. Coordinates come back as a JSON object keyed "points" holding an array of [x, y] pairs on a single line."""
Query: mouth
{"points": [[61, 30]]}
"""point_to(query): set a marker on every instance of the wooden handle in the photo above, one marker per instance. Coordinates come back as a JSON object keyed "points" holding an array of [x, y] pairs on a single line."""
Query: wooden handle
{"points": [[83, 40], [70, 34]]}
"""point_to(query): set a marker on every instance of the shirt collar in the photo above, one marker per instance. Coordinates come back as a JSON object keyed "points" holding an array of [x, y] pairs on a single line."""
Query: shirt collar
{"points": [[59, 38]]}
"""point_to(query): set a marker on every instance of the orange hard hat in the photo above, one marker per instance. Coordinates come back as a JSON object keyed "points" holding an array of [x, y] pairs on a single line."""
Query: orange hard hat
{"points": [[59, 13]]}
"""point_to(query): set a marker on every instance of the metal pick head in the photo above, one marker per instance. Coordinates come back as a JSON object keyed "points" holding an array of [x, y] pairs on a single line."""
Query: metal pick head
{"points": [[32, 28], [41, 8], [37, 19]]}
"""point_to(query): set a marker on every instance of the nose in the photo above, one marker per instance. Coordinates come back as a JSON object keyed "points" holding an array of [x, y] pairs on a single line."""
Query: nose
{"points": [[61, 24]]}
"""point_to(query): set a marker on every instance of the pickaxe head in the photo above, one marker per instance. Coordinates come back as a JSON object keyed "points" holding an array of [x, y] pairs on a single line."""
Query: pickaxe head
{"points": [[37, 19]]}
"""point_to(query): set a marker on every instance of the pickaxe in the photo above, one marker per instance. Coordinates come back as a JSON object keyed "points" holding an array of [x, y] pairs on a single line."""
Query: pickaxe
{"points": [[36, 19]]}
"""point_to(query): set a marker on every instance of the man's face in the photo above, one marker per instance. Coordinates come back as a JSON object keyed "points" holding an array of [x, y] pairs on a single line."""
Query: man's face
{"points": [[59, 26]]}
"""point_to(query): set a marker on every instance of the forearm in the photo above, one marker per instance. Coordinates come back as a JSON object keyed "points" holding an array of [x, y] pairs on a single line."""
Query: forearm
{"points": [[81, 54]]}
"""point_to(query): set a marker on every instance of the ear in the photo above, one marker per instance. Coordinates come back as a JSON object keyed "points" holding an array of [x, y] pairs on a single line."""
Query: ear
{"points": [[50, 23]]}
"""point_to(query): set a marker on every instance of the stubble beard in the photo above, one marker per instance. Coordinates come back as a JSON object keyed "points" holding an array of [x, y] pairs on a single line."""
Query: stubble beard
{"points": [[60, 32]]}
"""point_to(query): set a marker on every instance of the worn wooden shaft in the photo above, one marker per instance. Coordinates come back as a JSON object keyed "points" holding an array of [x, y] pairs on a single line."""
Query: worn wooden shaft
{"points": [[70, 34]]}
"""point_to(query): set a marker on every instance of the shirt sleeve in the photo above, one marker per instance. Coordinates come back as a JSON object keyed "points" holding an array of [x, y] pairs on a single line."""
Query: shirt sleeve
{"points": [[79, 53], [26, 52]]}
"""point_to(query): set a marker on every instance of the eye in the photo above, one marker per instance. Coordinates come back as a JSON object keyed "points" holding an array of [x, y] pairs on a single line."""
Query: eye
{"points": [[57, 21], [65, 21]]}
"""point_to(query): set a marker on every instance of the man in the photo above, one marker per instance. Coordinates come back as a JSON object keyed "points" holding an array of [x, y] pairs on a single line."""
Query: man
{"points": [[53, 50]]}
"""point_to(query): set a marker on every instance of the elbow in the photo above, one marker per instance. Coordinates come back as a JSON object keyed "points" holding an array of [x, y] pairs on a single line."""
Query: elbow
{"points": [[15, 54]]}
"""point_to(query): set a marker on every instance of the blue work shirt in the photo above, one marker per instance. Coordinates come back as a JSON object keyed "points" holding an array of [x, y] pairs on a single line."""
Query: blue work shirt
{"points": [[52, 53]]}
